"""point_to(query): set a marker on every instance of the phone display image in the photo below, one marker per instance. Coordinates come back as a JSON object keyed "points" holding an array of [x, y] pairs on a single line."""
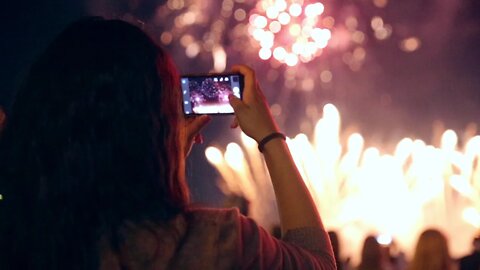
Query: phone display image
{"points": [[209, 94]]}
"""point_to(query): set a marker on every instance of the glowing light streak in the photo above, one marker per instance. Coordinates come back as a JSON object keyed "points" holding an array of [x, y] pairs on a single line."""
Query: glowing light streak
{"points": [[234, 157], [472, 216], [219, 59], [213, 155], [360, 190]]}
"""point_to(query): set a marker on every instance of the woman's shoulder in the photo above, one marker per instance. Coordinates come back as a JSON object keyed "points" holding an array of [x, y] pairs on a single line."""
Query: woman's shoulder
{"points": [[212, 214], [211, 239], [212, 224]]}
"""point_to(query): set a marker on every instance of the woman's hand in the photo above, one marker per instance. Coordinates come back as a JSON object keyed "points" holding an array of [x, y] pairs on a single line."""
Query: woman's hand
{"points": [[296, 207], [252, 113], [190, 131]]}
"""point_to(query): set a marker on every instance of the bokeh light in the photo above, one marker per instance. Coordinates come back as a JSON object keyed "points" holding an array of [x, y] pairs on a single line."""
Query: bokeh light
{"points": [[292, 28], [283, 34], [410, 44]]}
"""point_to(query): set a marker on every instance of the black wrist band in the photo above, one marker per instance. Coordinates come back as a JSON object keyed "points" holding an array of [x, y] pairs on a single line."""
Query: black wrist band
{"points": [[268, 138]]}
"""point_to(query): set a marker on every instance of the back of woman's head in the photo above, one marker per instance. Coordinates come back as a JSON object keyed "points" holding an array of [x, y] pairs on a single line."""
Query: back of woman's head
{"points": [[431, 252], [90, 144]]}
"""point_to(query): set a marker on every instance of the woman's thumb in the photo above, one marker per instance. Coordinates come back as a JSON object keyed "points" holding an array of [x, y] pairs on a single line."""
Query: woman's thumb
{"points": [[236, 103]]}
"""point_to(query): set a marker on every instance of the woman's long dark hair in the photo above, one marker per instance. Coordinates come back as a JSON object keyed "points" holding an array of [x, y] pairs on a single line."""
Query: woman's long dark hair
{"points": [[91, 143]]}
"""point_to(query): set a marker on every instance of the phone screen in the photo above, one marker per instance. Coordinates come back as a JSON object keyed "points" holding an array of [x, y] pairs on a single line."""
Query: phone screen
{"points": [[208, 94]]}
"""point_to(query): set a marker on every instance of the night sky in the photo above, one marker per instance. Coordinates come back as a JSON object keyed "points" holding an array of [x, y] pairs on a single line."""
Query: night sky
{"points": [[394, 94]]}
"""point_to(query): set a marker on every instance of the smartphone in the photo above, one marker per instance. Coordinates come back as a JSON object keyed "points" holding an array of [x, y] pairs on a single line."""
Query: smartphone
{"points": [[208, 94]]}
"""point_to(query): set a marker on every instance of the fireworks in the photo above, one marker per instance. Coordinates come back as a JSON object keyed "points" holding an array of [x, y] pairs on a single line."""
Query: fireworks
{"points": [[299, 42], [288, 31], [359, 190]]}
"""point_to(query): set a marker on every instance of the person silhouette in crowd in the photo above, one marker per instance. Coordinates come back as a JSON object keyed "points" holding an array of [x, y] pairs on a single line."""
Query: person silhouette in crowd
{"points": [[472, 261], [341, 264], [431, 252], [373, 256]]}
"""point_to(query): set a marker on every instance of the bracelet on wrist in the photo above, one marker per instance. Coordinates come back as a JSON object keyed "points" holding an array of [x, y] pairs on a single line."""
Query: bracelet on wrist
{"points": [[271, 136]]}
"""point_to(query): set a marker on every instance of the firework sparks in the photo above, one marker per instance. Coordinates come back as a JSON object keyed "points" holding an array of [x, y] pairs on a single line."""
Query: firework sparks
{"points": [[360, 190], [288, 31], [284, 34]]}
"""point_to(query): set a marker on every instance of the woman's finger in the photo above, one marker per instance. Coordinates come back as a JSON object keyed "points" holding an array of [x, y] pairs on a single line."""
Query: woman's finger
{"points": [[250, 82], [234, 123], [198, 139], [195, 124]]}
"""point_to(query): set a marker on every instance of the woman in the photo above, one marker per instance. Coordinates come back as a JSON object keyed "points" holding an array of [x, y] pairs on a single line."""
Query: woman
{"points": [[93, 168], [431, 252]]}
